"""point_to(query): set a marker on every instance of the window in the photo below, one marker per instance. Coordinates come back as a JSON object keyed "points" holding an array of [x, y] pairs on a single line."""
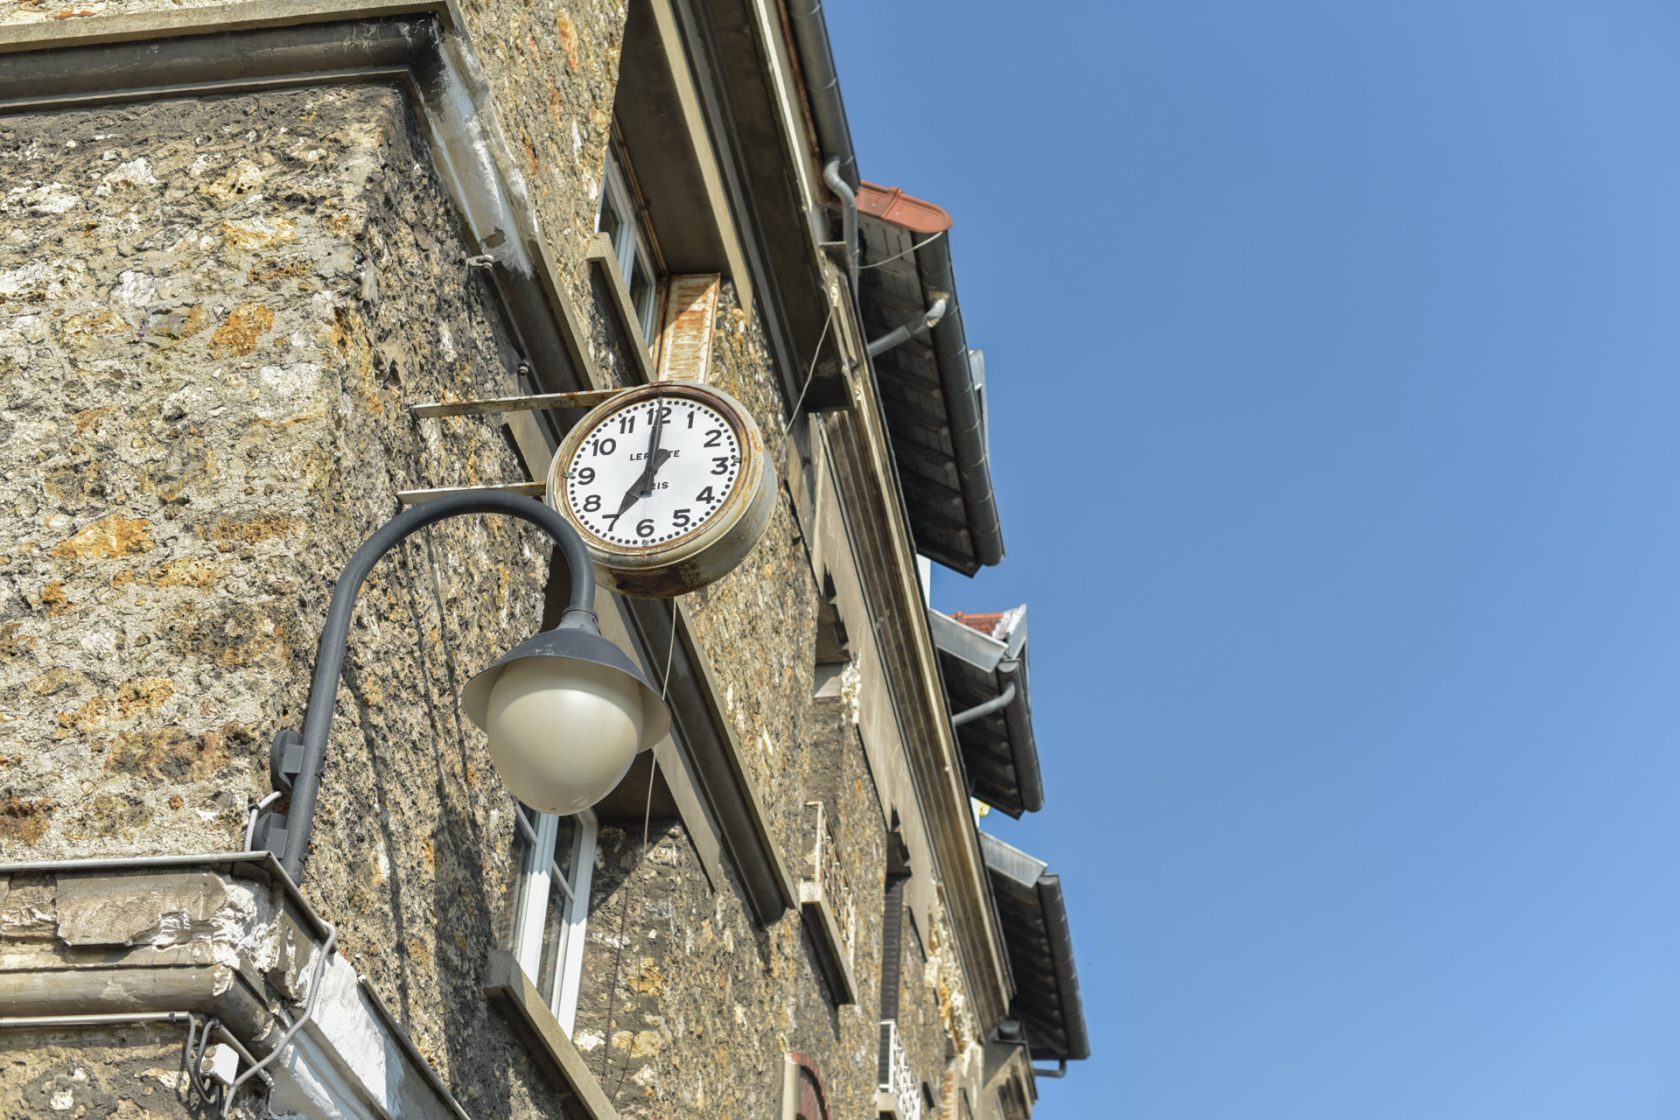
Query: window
{"points": [[621, 220], [555, 856]]}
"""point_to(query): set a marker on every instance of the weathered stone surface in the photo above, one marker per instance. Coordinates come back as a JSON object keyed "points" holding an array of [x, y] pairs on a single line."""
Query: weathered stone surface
{"points": [[28, 909], [123, 1072], [189, 503], [212, 314], [109, 910]]}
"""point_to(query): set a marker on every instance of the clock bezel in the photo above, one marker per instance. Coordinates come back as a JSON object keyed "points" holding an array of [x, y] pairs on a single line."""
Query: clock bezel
{"points": [[695, 559]]}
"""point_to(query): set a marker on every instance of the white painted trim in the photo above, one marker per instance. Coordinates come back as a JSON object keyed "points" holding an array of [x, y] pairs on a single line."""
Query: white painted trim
{"points": [[344, 1063], [536, 880], [577, 920]]}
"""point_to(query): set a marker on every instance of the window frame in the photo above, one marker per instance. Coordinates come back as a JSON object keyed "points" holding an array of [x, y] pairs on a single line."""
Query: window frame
{"points": [[536, 879], [632, 247]]}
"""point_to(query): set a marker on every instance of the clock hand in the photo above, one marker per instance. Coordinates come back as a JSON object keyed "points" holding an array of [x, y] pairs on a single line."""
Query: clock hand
{"points": [[654, 456], [643, 486], [631, 497]]}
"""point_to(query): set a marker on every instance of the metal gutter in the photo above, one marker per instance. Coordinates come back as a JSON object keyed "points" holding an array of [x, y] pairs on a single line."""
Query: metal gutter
{"points": [[212, 989], [822, 85], [962, 401], [849, 215], [917, 327], [1040, 945]]}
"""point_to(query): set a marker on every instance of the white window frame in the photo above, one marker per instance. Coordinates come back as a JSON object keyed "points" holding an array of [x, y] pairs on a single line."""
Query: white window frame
{"points": [[537, 877], [630, 243]]}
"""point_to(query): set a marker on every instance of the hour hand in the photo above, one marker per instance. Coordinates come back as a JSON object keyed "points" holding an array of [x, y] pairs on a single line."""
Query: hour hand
{"points": [[655, 461], [637, 490]]}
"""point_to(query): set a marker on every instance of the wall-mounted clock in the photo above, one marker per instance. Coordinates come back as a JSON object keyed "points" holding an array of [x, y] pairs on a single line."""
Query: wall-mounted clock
{"points": [[669, 485]]}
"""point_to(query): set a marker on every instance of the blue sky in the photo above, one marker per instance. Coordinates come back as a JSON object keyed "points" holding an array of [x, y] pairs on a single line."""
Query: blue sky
{"points": [[1334, 354]]}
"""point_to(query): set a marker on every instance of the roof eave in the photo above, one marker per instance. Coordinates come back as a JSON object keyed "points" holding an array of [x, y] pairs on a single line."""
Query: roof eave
{"points": [[958, 375], [1054, 947], [1005, 661], [962, 404]]}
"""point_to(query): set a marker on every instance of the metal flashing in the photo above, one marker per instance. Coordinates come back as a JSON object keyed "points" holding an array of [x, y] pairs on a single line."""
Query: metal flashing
{"points": [[1035, 929], [86, 30], [988, 671], [932, 385]]}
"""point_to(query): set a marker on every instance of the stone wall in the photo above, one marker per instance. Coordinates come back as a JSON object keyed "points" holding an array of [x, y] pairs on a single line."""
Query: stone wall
{"points": [[212, 313], [129, 1072], [707, 1001]]}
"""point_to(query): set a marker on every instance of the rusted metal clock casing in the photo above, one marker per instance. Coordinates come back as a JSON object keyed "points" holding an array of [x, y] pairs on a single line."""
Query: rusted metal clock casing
{"points": [[666, 569]]}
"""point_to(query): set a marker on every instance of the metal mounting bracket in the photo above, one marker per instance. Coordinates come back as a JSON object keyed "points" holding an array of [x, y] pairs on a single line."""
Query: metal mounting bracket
{"points": [[485, 406], [535, 402], [525, 489], [285, 759]]}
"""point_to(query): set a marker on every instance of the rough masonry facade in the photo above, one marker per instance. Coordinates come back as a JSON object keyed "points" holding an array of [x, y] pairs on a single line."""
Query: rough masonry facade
{"points": [[215, 310]]}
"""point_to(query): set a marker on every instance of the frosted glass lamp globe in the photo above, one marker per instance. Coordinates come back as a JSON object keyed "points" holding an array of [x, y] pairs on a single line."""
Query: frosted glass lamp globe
{"points": [[562, 733], [565, 713]]}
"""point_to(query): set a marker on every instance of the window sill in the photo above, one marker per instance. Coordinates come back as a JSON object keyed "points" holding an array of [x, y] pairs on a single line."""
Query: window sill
{"points": [[541, 1032]]}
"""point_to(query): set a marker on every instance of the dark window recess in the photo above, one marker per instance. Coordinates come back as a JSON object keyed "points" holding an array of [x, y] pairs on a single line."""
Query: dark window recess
{"points": [[892, 947], [832, 643]]}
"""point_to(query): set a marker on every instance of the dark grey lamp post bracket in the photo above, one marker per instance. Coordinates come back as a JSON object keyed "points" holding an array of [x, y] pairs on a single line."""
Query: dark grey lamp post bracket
{"points": [[298, 761]]}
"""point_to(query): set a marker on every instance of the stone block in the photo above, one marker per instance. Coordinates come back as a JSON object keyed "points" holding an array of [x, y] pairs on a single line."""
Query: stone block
{"points": [[127, 910], [27, 912]]}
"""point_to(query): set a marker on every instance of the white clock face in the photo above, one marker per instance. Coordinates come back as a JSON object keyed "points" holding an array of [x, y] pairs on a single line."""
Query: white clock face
{"points": [[653, 472]]}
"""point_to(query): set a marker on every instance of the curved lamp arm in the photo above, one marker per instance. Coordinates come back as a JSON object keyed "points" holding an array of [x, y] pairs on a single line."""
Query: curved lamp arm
{"points": [[293, 847]]}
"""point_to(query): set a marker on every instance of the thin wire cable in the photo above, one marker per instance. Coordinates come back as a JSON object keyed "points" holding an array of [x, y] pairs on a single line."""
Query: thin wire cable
{"points": [[810, 372], [647, 815], [624, 917], [670, 652], [929, 240], [319, 974]]}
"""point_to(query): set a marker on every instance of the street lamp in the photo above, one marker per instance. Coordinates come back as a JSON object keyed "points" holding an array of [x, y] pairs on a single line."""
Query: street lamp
{"points": [[565, 711]]}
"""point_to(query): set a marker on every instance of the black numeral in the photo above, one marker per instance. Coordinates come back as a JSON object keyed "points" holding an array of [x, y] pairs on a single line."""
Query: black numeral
{"points": [[626, 425], [705, 495], [691, 416], [644, 527], [681, 518], [586, 475], [592, 503], [664, 412], [606, 445], [720, 465], [714, 436]]}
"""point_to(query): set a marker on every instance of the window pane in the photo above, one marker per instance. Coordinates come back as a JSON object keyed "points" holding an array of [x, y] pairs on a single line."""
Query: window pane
{"points": [[524, 833], [565, 842], [641, 297], [554, 942], [611, 220]]}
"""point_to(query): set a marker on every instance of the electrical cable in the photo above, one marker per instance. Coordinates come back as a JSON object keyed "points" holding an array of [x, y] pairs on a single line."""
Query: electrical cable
{"points": [[322, 955], [929, 240]]}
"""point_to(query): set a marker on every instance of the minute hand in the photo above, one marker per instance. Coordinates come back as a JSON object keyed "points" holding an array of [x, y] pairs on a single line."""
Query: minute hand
{"points": [[654, 460], [643, 486]]}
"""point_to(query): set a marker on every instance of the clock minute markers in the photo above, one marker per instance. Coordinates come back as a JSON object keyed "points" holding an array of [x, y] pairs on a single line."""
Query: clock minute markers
{"points": [[702, 467], [695, 489]]}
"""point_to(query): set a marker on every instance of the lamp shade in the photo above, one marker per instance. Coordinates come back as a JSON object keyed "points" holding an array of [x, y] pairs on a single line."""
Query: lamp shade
{"points": [[565, 713]]}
